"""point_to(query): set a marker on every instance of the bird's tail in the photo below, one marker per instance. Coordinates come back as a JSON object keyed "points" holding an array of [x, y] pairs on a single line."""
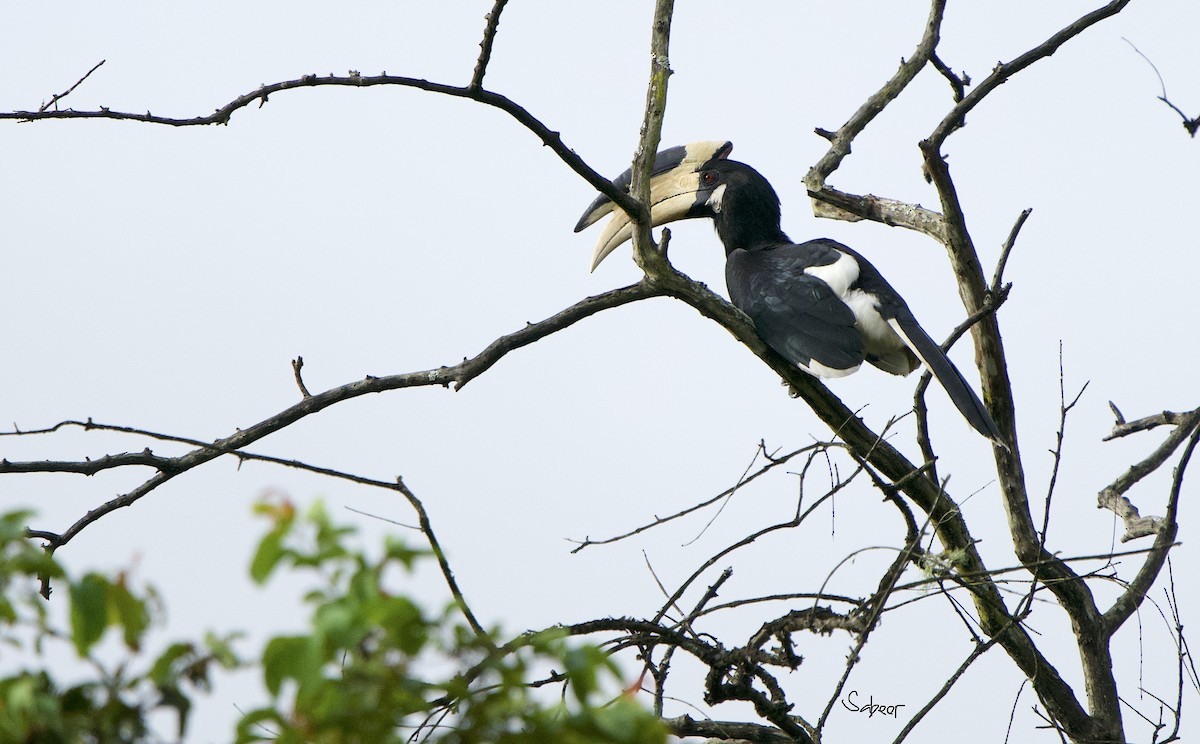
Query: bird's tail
{"points": [[963, 397]]}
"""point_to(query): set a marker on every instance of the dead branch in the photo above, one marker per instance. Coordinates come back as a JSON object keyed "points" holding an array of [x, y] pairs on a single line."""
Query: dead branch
{"points": [[485, 46], [1104, 719], [224, 114], [744, 480], [457, 375], [59, 96], [834, 204], [1190, 124], [1112, 497], [1122, 428], [1131, 599], [753, 733]]}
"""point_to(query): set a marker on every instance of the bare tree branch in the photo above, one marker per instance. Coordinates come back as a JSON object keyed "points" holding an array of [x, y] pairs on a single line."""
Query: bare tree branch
{"points": [[1123, 428], [59, 96], [744, 480], [747, 672], [650, 260], [1113, 497], [828, 202], [1132, 598], [485, 46], [753, 733], [223, 115], [1191, 124], [457, 375], [1104, 721], [297, 365], [979, 650], [444, 563], [958, 83], [1004, 71]]}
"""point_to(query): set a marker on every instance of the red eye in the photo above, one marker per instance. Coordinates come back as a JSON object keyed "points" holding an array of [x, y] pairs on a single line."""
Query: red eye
{"points": [[708, 178]]}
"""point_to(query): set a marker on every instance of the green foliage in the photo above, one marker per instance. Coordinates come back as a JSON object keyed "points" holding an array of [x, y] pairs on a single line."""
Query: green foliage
{"points": [[374, 666], [362, 673], [114, 704]]}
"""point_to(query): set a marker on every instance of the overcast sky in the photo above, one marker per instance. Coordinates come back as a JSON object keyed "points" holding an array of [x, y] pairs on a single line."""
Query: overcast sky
{"points": [[163, 278]]}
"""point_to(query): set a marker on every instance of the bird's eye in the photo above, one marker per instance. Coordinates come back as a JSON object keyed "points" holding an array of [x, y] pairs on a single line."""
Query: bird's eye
{"points": [[708, 178]]}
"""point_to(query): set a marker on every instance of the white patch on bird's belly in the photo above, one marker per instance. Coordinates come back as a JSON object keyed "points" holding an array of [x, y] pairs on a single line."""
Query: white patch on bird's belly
{"points": [[839, 275], [714, 201], [880, 340], [816, 369], [867, 318]]}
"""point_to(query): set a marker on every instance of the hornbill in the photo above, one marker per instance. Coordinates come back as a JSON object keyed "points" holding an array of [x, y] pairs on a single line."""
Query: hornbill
{"points": [[819, 304]]}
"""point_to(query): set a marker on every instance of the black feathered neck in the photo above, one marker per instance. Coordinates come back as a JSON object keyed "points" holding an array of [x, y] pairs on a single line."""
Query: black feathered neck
{"points": [[748, 214]]}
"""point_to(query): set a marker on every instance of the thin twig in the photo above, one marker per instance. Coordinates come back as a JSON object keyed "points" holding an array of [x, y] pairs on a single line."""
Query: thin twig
{"points": [[58, 97], [744, 480], [297, 365], [752, 537], [444, 563], [1057, 453], [485, 46], [1005, 70], [957, 83], [1060, 436], [1006, 249], [979, 650], [1191, 124]]}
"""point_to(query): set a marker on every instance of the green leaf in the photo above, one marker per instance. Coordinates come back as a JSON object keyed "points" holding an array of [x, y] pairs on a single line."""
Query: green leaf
{"points": [[164, 672], [583, 664], [291, 657], [89, 611], [626, 721], [267, 556], [340, 624], [259, 725], [131, 612], [396, 549], [12, 525], [173, 697], [32, 561], [402, 620], [221, 649]]}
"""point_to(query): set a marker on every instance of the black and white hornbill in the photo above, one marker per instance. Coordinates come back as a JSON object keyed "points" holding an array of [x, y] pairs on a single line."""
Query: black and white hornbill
{"points": [[819, 304]]}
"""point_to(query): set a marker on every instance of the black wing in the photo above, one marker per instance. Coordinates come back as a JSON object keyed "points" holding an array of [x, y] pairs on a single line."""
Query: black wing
{"points": [[797, 314]]}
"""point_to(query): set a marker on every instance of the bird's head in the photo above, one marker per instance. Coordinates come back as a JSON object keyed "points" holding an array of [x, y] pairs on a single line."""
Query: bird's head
{"points": [[677, 192], [696, 180]]}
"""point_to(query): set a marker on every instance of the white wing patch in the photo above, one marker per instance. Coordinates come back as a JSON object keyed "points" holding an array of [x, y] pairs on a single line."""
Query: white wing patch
{"points": [[839, 275]]}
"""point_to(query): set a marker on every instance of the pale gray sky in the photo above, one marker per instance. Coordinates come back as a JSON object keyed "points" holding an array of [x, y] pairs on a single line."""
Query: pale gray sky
{"points": [[163, 278]]}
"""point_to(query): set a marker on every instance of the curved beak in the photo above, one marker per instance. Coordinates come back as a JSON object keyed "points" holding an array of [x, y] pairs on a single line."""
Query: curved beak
{"points": [[673, 186]]}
